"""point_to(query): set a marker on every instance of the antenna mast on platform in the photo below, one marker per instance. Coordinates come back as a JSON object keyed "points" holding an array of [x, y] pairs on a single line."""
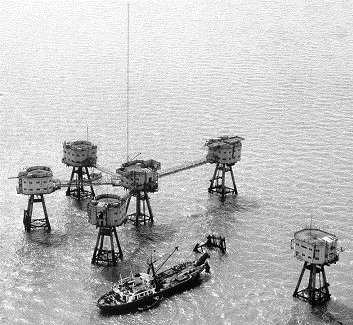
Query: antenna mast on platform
{"points": [[128, 82]]}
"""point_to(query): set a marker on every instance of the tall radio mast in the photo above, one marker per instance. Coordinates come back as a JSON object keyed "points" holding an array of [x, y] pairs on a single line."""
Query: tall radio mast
{"points": [[128, 82]]}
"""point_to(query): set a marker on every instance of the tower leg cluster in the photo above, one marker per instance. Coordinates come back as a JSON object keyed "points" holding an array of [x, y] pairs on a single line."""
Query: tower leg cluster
{"points": [[141, 215], [218, 181], [105, 255], [30, 223], [317, 290], [79, 176]]}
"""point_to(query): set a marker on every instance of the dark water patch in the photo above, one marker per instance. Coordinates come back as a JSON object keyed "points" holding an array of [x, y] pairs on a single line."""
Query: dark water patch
{"points": [[232, 204], [334, 312], [221, 218], [112, 273], [150, 235], [45, 238]]}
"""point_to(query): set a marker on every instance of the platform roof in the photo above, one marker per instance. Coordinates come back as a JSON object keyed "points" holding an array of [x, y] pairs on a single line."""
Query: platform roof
{"points": [[314, 236]]}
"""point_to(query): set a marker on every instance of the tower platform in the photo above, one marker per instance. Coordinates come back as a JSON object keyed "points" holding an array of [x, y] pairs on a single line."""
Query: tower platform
{"points": [[317, 248]]}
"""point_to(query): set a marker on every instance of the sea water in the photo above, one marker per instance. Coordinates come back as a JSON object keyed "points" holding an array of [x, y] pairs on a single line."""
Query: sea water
{"points": [[278, 73]]}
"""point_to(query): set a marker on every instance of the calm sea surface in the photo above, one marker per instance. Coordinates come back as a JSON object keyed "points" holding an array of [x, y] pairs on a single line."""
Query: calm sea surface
{"points": [[278, 73]]}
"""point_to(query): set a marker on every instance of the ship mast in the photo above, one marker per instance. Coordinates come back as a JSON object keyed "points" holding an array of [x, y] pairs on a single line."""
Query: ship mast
{"points": [[175, 249], [151, 264], [128, 82]]}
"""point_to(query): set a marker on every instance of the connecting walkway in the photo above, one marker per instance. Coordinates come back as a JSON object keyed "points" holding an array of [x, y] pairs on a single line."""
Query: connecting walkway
{"points": [[163, 173], [183, 167], [97, 179], [106, 171]]}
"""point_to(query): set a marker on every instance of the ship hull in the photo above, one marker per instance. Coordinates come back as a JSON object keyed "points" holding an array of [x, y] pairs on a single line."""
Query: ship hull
{"points": [[127, 307], [152, 300]]}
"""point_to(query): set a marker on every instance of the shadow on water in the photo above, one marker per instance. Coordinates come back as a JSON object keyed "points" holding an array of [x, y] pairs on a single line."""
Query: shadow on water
{"points": [[332, 312], [151, 235], [231, 204], [155, 233], [45, 238], [228, 207], [219, 217], [123, 267]]}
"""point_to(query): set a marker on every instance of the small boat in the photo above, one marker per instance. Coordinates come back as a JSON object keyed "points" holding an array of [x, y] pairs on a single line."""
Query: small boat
{"points": [[144, 291]]}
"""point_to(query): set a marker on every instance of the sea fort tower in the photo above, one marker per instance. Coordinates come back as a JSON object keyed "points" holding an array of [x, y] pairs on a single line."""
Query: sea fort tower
{"points": [[140, 177], [79, 155], [106, 212], [317, 248], [224, 151], [35, 182]]}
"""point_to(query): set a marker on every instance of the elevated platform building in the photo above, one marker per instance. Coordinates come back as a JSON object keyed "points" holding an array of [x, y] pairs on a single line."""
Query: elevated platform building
{"points": [[106, 212], [35, 181], [80, 155], [317, 249], [140, 177], [224, 151]]}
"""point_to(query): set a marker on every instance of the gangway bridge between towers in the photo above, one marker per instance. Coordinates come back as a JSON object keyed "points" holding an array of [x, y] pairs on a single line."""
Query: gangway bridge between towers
{"points": [[182, 167], [97, 179], [106, 171], [163, 173]]}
